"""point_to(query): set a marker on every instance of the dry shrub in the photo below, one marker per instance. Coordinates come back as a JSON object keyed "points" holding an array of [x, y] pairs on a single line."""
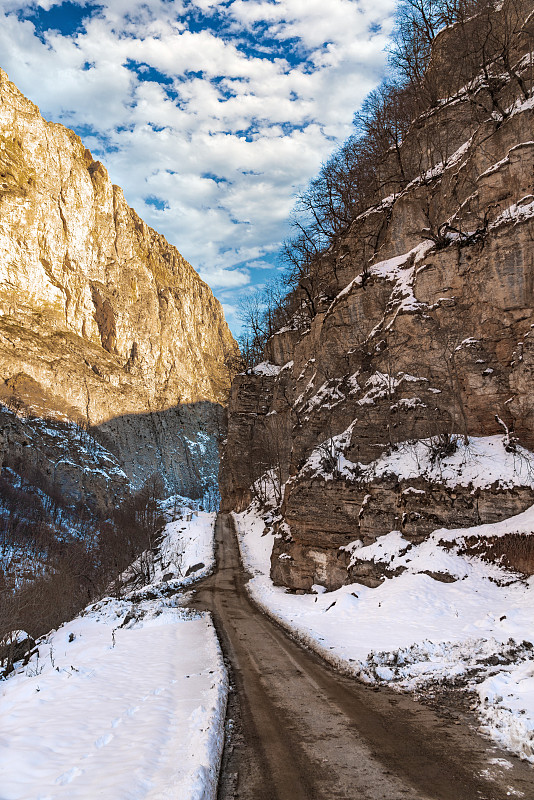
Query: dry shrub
{"points": [[74, 558], [513, 550]]}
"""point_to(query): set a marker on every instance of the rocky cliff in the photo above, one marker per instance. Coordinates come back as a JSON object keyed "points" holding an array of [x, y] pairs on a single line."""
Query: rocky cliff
{"points": [[102, 321], [406, 401]]}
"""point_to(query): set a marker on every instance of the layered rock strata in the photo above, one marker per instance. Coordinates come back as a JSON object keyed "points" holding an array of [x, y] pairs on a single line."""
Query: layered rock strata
{"points": [[423, 332]]}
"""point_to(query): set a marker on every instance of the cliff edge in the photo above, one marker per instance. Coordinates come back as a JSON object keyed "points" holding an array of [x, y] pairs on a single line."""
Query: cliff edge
{"points": [[102, 321]]}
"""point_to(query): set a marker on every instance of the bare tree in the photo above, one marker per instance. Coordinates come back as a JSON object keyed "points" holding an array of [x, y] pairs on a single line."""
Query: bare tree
{"points": [[262, 312]]}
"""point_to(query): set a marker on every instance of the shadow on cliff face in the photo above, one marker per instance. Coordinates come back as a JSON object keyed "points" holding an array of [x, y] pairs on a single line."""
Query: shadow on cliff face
{"points": [[70, 514], [180, 444], [99, 466]]}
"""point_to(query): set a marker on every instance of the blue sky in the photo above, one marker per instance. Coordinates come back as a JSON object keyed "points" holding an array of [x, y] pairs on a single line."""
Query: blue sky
{"points": [[211, 114]]}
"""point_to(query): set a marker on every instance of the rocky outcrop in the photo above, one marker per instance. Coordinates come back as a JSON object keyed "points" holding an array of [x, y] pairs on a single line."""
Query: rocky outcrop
{"points": [[64, 461], [101, 312], [422, 333], [325, 517]]}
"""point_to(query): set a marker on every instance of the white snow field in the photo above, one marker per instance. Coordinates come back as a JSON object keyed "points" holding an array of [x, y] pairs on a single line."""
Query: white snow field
{"points": [[185, 555], [413, 629], [125, 702]]}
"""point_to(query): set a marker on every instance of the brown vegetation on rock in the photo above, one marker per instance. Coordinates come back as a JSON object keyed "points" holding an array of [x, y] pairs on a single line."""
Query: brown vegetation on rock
{"points": [[420, 269]]}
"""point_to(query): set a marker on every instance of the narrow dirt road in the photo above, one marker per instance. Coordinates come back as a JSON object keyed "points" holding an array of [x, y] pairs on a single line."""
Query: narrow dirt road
{"points": [[302, 732]]}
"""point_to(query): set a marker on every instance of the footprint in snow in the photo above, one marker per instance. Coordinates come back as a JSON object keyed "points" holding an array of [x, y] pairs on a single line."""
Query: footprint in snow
{"points": [[158, 691], [104, 740], [69, 776], [116, 722], [133, 710]]}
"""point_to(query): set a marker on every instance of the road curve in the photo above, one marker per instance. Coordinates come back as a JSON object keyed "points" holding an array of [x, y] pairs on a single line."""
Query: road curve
{"points": [[303, 732]]}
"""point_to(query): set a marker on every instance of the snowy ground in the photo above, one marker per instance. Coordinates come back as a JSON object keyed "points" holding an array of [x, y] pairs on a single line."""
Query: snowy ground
{"points": [[125, 701], [480, 462], [412, 629], [185, 554]]}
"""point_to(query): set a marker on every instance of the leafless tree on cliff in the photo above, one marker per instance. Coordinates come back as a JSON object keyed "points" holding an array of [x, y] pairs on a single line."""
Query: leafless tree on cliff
{"points": [[299, 256], [387, 150], [262, 311], [384, 120], [417, 23], [234, 363], [492, 46]]}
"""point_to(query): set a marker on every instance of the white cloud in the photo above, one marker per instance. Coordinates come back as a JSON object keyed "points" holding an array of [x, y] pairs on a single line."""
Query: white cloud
{"points": [[260, 264], [225, 278], [220, 126]]}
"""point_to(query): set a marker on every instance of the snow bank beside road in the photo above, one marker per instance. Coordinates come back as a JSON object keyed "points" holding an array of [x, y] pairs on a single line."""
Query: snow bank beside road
{"points": [[185, 554], [507, 708], [125, 701], [412, 629]]}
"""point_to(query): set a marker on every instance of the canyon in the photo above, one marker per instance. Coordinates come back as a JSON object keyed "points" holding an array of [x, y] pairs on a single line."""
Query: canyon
{"points": [[373, 471]]}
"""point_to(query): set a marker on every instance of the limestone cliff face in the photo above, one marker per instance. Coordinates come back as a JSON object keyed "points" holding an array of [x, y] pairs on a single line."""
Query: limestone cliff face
{"points": [[100, 310], [424, 332]]}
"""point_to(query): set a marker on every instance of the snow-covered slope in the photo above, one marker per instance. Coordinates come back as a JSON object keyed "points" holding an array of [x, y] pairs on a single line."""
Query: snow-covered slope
{"points": [[184, 555], [125, 701], [476, 624]]}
